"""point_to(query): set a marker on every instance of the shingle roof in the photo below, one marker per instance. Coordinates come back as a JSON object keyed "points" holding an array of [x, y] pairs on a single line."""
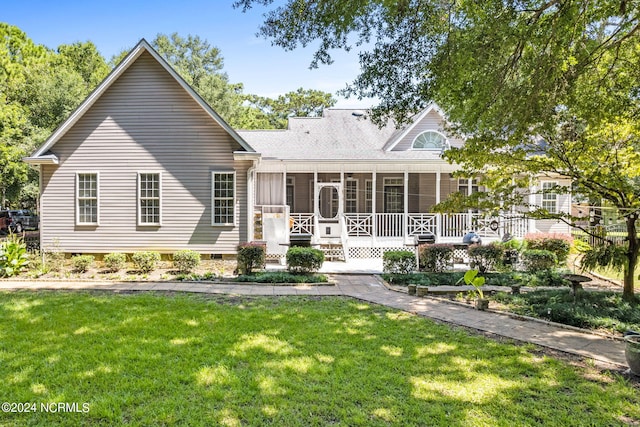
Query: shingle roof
{"points": [[340, 134]]}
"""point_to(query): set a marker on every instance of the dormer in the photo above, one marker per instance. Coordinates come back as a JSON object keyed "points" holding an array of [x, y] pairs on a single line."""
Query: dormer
{"points": [[425, 133], [430, 140]]}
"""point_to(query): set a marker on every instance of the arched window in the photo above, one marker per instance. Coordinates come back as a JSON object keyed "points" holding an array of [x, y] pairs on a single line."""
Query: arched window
{"points": [[429, 140]]}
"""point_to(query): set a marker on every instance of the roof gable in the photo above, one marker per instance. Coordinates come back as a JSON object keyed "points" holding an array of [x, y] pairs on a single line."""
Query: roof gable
{"points": [[431, 109], [132, 56]]}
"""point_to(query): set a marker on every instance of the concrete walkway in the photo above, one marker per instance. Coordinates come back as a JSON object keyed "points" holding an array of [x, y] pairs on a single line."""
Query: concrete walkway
{"points": [[369, 288]]}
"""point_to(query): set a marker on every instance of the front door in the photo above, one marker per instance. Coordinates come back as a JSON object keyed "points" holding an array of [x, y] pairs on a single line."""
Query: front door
{"points": [[329, 208]]}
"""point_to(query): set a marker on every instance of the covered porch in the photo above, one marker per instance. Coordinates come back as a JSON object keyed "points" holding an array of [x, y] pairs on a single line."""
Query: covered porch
{"points": [[362, 214]]}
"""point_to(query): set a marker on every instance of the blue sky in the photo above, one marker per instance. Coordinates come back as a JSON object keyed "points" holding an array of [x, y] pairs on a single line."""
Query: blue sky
{"points": [[116, 25]]}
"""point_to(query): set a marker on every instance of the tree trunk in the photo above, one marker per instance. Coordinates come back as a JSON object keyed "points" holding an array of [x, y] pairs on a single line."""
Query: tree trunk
{"points": [[632, 259]]}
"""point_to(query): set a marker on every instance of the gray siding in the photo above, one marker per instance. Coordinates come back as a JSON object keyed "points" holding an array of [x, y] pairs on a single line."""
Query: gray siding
{"points": [[145, 122], [432, 121]]}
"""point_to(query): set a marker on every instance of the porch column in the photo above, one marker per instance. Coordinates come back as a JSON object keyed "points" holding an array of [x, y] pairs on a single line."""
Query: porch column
{"points": [[438, 216], [316, 210], [405, 215], [284, 187], [374, 220], [531, 223], [251, 201], [469, 213]]}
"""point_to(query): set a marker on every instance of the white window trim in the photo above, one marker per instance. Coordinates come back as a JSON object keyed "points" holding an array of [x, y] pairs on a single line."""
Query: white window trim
{"points": [[445, 141], [391, 181], [97, 174], [291, 182], [554, 196], [138, 198], [213, 198], [368, 198], [356, 199]]}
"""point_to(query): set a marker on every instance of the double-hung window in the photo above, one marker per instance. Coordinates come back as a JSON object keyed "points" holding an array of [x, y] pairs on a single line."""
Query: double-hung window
{"points": [[368, 196], [87, 199], [549, 199], [223, 198], [351, 196], [149, 198]]}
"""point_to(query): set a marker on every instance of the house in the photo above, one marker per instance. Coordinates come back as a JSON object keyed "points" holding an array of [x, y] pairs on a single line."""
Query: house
{"points": [[365, 189], [145, 164]]}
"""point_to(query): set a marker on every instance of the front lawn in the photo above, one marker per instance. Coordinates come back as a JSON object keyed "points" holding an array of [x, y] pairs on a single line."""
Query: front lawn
{"points": [[149, 359]]}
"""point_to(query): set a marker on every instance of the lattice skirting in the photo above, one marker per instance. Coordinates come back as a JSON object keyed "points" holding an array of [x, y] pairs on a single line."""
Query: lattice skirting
{"points": [[369, 252], [459, 254]]}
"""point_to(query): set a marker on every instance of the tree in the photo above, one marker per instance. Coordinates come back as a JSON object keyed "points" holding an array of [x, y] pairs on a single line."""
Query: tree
{"points": [[298, 103], [538, 87], [84, 58], [38, 89], [200, 65]]}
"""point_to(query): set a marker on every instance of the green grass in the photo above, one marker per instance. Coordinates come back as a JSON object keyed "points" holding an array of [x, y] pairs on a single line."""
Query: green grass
{"points": [[590, 310], [148, 359], [616, 274]]}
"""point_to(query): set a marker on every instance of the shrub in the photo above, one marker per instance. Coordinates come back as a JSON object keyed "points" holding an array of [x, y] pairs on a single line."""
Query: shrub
{"points": [[13, 255], [445, 278], [594, 310], [513, 244], [304, 260], [546, 278], [115, 261], [81, 263], [251, 255], [485, 258], [282, 277], [146, 261], [54, 256], [559, 244], [436, 258], [406, 279], [399, 262], [186, 261], [538, 260]]}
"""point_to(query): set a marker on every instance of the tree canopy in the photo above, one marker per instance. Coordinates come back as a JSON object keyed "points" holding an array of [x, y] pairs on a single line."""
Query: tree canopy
{"points": [[537, 87], [40, 87]]}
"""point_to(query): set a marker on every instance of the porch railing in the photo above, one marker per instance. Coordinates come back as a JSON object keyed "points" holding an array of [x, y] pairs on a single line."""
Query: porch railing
{"points": [[390, 225], [444, 225], [399, 225], [302, 223], [394, 225], [359, 225]]}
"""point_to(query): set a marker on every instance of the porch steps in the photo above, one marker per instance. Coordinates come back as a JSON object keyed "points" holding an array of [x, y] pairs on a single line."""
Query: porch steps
{"points": [[333, 251]]}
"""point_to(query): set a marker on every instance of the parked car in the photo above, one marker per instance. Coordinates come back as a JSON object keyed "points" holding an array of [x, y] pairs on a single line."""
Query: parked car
{"points": [[18, 220], [5, 221]]}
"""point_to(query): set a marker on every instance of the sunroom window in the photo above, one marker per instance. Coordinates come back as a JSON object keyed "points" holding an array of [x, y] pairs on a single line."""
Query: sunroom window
{"points": [[429, 140]]}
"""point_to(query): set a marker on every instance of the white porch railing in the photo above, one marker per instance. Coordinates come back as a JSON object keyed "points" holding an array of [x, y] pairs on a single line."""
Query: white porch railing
{"points": [[422, 224], [302, 223], [455, 225], [445, 225], [390, 225], [359, 225]]}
